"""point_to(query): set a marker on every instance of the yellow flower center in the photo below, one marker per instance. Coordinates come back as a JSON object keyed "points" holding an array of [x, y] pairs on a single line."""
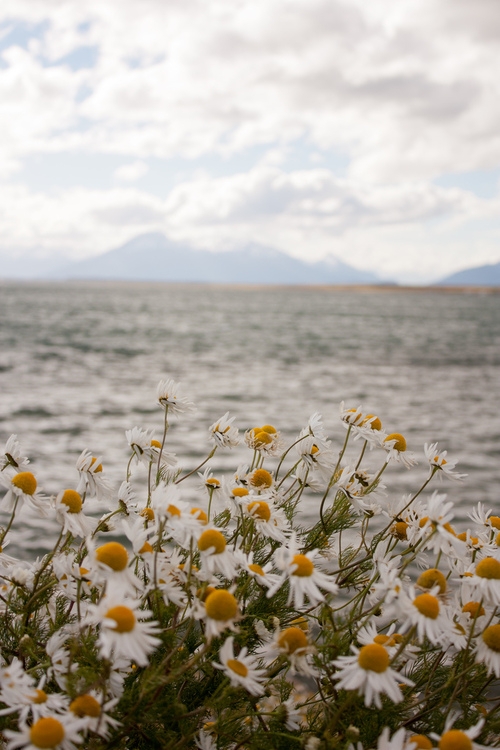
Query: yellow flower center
{"points": [[238, 667], [314, 449], [98, 468], [146, 547], [430, 578], [373, 657], [47, 732], [400, 441], [25, 481], [260, 509], [491, 636], [384, 640], [173, 510], [304, 566], [203, 593], [148, 514], [85, 705], [488, 568], [257, 569], [84, 571], [262, 438], [212, 482], [155, 443], [269, 429], [39, 697], [73, 500], [212, 538], [113, 554], [124, 618], [301, 622], [427, 605], [399, 529], [200, 514], [375, 423], [261, 478], [421, 741], [495, 522], [354, 417], [454, 740], [475, 609], [239, 491], [221, 605], [292, 639]]}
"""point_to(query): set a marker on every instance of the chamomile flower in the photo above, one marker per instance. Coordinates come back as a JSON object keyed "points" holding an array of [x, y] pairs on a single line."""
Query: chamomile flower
{"points": [[242, 669], [351, 416], [488, 648], [69, 513], [269, 520], [439, 463], [266, 439], [223, 434], [23, 486], [426, 613], [92, 482], [316, 456], [486, 580], [61, 663], [123, 629], [459, 739], [304, 578], [94, 713], [168, 393], [12, 455], [109, 565], [262, 574], [216, 556], [32, 700], [291, 643], [396, 447], [58, 732], [368, 672], [396, 742], [220, 611], [145, 448]]}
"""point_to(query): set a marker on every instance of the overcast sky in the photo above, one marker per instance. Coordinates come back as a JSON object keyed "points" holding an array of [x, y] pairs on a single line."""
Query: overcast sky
{"points": [[369, 131]]}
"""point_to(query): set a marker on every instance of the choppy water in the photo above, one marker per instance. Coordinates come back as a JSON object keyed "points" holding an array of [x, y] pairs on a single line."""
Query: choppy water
{"points": [[79, 364]]}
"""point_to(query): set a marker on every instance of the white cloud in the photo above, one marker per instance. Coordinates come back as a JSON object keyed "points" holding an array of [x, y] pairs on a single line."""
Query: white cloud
{"points": [[131, 172], [406, 91]]}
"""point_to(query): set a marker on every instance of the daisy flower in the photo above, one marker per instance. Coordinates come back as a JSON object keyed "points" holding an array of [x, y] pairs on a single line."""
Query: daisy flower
{"points": [[31, 700], [60, 658], [368, 672], [23, 486], [55, 732], [317, 456], [396, 742], [437, 460], [488, 649], [486, 579], [216, 557], [463, 739], [94, 713], [264, 439], [69, 514], [122, 633], [304, 578], [291, 643], [220, 612], [91, 481], [12, 455], [243, 670], [396, 447], [109, 563], [223, 434], [262, 575], [426, 613], [168, 393], [351, 416], [146, 449], [269, 521]]}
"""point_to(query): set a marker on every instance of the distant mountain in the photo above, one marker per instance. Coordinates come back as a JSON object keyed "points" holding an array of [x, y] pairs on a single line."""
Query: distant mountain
{"points": [[151, 257], [479, 276]]}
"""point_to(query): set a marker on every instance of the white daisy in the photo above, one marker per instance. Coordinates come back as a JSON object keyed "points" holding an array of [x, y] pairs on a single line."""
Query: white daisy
{"points": [[487, 649], [109, 565], [23, 486], [426, 613], [269, 520], [485, 580], [94, 713], [304, 578], [122, 633], [223, 434], [220, 611], [168, 393], [12, 455], [459, 738], [396, 447], [69, 514], [290, 643], [55, 732], [437, 460], [266, 440], [368, 672], [241, 670], [92, 482], [215, 555]]}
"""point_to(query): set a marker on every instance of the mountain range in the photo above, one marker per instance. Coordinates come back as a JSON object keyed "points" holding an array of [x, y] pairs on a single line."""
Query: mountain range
{"points": [[151, 257], [478, 276]]}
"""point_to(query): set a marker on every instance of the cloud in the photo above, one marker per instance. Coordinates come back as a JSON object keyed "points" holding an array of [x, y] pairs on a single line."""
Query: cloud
{"points": [[131, 172]]}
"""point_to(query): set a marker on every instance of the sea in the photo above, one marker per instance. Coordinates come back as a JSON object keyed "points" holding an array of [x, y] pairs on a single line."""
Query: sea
{"points": [[80, 363]]}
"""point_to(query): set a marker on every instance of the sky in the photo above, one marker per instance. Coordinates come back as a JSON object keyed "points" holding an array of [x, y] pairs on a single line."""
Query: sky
{"points": [[364, 131]]}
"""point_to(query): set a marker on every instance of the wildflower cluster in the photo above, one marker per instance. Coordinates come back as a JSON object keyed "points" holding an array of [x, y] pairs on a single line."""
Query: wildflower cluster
{"points": [[191, 609]]}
